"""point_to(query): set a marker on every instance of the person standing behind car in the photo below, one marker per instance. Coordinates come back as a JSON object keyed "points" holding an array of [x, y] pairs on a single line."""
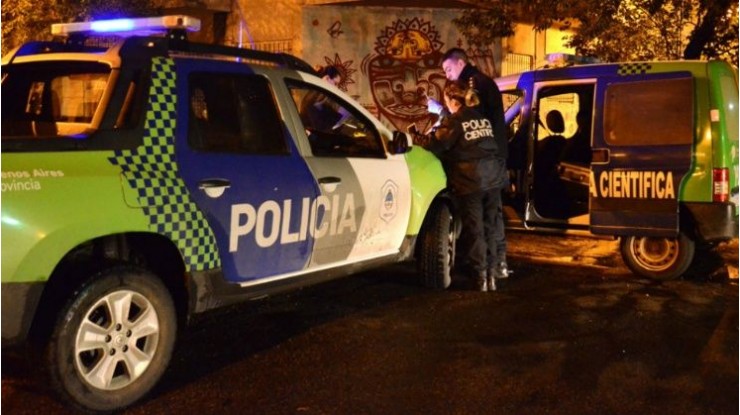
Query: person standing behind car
{"points": [[465, 144], [457, 67]]}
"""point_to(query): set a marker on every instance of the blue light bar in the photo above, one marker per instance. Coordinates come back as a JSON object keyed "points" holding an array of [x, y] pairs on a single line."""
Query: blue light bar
{"points": [[144, 25], [118, 25]]}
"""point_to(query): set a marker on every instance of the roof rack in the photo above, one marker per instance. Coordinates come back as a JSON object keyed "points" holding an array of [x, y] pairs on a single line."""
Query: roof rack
{"points": [[561, 60]]}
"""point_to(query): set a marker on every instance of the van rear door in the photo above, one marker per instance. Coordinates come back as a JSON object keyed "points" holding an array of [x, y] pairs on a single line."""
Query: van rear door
{"points": [[641, 151]]}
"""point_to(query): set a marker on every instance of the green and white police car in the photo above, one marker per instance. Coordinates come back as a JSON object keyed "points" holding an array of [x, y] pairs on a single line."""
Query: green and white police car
{"points": [[152, 179]]}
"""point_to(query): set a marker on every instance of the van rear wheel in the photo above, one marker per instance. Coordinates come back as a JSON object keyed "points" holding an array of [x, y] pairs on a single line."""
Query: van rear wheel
{"points": [[658, 258]]}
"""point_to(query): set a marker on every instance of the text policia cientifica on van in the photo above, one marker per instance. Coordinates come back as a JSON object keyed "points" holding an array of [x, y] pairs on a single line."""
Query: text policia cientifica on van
{"points": [[633, 184]]}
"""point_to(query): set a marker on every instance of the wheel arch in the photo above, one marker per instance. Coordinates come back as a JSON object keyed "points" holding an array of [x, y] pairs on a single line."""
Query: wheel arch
{"points": [[152, 251]]}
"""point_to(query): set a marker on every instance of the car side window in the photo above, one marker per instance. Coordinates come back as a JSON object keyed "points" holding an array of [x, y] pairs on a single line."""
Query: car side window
{"points": [[52, 99], [234, 113], [334, 127]]}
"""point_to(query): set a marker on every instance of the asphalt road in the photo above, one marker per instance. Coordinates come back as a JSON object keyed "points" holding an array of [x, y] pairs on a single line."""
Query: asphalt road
{"points": [[572, 332]]}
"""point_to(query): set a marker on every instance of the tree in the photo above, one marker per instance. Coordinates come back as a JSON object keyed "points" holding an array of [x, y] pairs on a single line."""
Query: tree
{"points": [[25, 20], [618, 30]]}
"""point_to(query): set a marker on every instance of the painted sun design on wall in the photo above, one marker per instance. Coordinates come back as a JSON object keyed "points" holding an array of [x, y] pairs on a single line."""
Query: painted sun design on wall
{"points": [[409, 40], [404, 70], [345, 68]]}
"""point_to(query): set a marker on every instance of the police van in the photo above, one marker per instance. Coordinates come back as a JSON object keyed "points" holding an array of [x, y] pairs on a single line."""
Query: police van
{"points": [[147, 179], [643, 151]]}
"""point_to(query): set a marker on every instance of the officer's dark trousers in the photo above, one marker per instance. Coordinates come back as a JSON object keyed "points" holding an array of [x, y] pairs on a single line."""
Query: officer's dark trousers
{"points": [[499, 234], [478, 237]]}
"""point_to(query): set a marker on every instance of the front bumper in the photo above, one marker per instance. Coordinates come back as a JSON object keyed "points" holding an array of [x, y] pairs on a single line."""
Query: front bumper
{"points": [[19, 304]]}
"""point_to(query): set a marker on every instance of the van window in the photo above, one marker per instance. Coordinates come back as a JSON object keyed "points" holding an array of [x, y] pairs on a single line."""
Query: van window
{"points": [[567, 105], [647, 113], [235, 114], [513, 101]]}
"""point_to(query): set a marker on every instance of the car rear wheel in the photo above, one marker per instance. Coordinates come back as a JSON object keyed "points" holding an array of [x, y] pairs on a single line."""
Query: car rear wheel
{"points": [[113, 340], [658, 258], [436, 255]]}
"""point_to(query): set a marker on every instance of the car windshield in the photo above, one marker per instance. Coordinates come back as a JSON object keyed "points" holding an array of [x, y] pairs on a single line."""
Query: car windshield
{"points": [[51, 99]]}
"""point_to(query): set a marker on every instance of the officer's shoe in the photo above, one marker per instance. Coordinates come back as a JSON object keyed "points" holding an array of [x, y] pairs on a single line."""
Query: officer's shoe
{"points": [[481, 282], [501, 271], [491, 282]]}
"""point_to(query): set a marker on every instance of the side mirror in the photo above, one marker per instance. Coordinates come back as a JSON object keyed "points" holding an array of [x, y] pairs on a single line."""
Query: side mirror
{"points": [[401, 143]]}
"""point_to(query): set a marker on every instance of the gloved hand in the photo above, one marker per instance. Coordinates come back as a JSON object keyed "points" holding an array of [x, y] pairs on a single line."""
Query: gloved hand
{"points": [[434, 107]]}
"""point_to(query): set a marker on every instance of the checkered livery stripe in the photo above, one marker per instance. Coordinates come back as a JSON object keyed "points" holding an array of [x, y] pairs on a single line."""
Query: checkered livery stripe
{"points": [[152, 173], [634, 68]]}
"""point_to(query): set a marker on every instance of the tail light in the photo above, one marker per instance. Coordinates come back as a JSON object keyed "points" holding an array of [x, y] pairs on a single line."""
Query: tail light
{"points": [[720, 185]]}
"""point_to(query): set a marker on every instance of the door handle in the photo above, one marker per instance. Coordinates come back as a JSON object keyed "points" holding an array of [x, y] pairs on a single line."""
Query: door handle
{"points": [[600, 155], [330, 183], [330, 180], [214, 187]]}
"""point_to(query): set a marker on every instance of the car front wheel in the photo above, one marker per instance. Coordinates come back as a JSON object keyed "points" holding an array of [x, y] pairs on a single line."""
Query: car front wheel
{"points": [[436, 255], [113, 340], [658, 258]]}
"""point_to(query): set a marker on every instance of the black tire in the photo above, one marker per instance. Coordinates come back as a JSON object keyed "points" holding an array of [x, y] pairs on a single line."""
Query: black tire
{"points": [[436, 254], [88, 337], [658, 258]]}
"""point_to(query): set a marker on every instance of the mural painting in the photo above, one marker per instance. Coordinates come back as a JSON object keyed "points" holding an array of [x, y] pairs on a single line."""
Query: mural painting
{"points": [[404, 70], [400, 54]]}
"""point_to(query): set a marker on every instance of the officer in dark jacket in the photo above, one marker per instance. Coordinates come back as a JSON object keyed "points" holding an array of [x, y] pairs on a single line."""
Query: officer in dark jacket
{"points": [[465, 144], [488, 102]]}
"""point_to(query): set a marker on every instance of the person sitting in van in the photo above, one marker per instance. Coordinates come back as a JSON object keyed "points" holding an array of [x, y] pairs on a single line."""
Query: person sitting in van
{"points": [[548, 153]]}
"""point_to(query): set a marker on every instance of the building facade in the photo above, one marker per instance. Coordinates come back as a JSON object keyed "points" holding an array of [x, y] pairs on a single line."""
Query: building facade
{"points": [[388, 51]]}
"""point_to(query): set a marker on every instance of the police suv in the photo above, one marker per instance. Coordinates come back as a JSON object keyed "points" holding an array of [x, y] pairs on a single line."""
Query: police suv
{"points": [[643, 151], [150, 179]]}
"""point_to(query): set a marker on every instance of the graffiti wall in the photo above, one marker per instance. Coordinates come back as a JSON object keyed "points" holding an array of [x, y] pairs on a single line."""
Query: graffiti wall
{"points": [[390, 57]]}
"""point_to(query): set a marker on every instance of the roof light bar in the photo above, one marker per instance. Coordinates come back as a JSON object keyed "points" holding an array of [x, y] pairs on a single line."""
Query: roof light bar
{"points": [[140, 25]]}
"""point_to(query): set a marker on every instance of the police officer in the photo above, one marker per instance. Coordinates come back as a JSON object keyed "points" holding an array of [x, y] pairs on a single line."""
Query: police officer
{"points": [[457, 67], [465, 144]]}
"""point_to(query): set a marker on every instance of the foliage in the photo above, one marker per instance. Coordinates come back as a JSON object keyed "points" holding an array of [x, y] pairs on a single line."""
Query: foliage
{"points": [[618, 30], [25, 20]]}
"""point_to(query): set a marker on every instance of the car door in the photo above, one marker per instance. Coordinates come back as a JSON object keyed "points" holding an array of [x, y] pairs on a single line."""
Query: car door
{"points": [[643, 136], [365, 191], [241, 165]]}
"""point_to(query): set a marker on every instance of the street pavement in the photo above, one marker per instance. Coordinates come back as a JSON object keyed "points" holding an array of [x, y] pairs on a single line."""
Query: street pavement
{"points": [[572, 332]]}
